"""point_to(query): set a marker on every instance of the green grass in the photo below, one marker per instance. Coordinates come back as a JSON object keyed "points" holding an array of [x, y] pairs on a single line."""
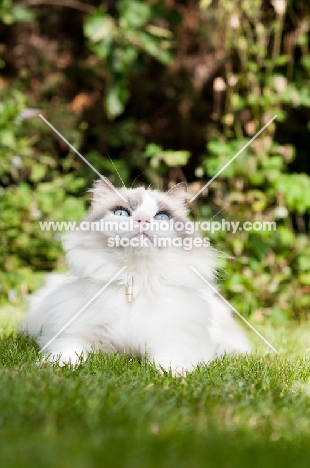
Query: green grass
{"points": [[251, 412]]}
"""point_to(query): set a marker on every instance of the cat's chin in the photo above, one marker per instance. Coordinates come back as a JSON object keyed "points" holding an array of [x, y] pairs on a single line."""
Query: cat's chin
{"points": [[143, 238], [141, 244]]}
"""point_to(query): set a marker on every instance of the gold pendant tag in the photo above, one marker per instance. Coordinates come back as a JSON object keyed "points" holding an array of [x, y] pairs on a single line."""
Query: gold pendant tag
{"points": [[129, 289]]}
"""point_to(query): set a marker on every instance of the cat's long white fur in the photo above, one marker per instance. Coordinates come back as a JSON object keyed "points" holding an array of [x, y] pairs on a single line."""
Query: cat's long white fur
{"points": [[173, 320]]}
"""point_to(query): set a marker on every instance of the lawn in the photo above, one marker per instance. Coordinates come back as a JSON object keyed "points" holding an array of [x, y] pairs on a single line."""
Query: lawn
{"points": [[251, 412]]}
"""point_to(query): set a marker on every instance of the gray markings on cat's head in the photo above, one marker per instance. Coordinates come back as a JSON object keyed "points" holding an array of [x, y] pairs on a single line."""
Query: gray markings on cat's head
{"points": [[104, 200]]}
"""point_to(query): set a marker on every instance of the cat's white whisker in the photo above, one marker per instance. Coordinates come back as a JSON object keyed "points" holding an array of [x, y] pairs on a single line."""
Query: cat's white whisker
{"points": [[137, 178], [219, 212], [80, 155], [117, 172], [233, 158], [235, 311]]}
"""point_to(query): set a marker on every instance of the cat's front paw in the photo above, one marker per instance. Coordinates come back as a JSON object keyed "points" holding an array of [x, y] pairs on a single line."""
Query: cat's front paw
{"points": [[64, 357], [177, 368]]}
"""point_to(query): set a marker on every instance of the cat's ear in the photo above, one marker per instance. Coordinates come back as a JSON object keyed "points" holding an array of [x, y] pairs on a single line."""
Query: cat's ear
{"points": [[179, 193], [102, 188]]}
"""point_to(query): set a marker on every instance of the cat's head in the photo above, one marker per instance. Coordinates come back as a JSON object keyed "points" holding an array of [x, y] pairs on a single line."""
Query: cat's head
{"points": [[137, 213]]}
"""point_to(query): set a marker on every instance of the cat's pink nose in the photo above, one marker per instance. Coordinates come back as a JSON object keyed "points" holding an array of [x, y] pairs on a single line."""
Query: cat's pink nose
{"points": [[142, 218]]}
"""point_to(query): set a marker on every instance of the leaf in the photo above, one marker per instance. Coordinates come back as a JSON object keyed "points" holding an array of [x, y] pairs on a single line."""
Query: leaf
{"points": [[305, 61], [176, 158], [133, 13], [154, 47], [214, 164], [115, 100], [98, 26], [275, 162], [101, 49], [158, 31], [304, 278], [123, 58], [304, 262], [152, 149], [7, 139], [218, 147], [38, 171], [257, 177], [285, 236], [20, 14], [281, 60]]}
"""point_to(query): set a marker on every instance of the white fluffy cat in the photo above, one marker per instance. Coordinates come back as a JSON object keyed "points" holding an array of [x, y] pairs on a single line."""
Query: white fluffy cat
{"points": [[156, 307]]}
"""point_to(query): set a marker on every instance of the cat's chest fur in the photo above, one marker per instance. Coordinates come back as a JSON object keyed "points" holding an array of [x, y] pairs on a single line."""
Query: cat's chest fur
{"points": [[156, 308]]}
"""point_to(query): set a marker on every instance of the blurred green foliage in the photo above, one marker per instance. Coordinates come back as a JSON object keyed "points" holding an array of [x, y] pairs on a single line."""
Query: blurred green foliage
{"points": [[121, 41], [170, 91]]}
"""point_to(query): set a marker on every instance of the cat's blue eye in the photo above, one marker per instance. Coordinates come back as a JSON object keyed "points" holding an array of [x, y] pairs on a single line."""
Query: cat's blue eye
{"points": [[162, 216], [121, 212]]}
